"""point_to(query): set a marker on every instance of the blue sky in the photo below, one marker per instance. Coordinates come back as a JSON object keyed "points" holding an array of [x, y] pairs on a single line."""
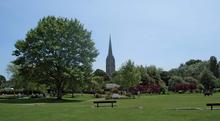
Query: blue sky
{"points": [[164, 33]]}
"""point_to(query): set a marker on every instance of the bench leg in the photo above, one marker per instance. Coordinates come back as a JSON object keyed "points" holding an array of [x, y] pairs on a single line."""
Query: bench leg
{"points": [[97, 104], [211, 107], [112, 105]]}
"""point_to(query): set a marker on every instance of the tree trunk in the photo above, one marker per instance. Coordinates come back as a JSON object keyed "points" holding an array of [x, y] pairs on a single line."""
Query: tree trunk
{"points": [[59, 90], [72, 92], [59, 93]]}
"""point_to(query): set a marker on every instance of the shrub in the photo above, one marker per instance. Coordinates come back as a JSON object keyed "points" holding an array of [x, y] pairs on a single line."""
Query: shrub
{"points": [[147, 88], [108, 95], [114, 90], [183, 87], [200, 88], [98, 95]]}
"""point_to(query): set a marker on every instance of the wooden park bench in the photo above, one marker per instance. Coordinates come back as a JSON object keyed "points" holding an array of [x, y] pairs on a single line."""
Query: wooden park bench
{"points": [[105, 101], [212, 104]]}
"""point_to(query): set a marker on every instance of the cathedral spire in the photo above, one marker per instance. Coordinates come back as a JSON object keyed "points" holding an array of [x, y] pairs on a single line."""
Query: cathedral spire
{"points": [[110, 47], [110, 60]]}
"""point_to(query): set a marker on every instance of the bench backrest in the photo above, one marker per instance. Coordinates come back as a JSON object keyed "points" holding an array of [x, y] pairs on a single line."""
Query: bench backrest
{"points": [[105, 101], [210, 104]]}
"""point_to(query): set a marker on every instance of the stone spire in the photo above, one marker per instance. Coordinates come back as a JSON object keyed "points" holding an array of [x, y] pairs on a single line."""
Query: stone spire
{"points": [[110, 47], [110, 60]]}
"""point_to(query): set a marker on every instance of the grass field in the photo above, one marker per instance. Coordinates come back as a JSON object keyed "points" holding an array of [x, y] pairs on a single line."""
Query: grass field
{"points": [[173, 107]]}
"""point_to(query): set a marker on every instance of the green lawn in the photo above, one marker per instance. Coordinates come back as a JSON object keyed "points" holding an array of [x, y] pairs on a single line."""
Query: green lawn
{"points": [[173, 107]]}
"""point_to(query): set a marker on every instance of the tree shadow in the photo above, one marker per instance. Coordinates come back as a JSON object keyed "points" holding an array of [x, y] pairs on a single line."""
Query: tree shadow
{"points": [[36, 100]]}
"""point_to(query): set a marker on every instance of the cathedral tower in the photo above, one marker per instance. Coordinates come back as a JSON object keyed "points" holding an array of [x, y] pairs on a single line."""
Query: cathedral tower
{"points": [[110, 60]]}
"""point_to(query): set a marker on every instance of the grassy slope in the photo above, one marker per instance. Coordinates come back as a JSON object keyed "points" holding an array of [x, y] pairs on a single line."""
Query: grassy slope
{"points": [[144, 108]]}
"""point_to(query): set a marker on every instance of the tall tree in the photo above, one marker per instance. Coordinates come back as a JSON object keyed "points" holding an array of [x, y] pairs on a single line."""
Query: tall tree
{"points": [[213, 66], [17, 79], [192, 62], [175, 80], [192, 68], [191, 80], [165, 76], [2, 80], [75, 82], [208, 80], [97, 84], [154, 74], [144, 75], [130, 75], [52, 51], [101, 73]]}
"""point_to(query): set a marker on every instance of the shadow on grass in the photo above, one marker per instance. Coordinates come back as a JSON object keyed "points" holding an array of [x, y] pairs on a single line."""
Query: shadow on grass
{"points": [[36, 100], [8, 97], [103, 106]]}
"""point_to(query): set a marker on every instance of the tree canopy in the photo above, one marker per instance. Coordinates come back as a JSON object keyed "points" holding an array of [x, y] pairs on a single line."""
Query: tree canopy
{"points": [[55, 51], [128, 75], [2, 80], [213, 66], [101, 73], [208, 80]]}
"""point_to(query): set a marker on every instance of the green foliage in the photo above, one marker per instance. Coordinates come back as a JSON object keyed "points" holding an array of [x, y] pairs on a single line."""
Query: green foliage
{"points": [[163, 86], [98, 81], [192, 62], [143, 72], [17, 79], [75, 83], [192, 70], [149, 74], [207, 79], [174, 80], [165, 76], [191, 80], [217, 82], [53, 50], [116, 77], [129, 75], [19, 82], [154, 73], [200, 87], [2, 80], [101, 73], [213, 66], [97, 84]]}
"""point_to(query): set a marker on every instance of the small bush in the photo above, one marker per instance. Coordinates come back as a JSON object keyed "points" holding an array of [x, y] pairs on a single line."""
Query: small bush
{"points": [[98, 95], [108, 95], [114, 90]]}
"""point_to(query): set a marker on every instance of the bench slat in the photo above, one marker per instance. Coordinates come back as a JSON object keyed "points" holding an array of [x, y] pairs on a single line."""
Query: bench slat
{"points": [[213, 104], [105, 101]]}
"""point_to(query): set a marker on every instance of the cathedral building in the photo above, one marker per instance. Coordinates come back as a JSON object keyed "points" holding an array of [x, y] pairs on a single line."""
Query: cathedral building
{"points": [[110, 60]]}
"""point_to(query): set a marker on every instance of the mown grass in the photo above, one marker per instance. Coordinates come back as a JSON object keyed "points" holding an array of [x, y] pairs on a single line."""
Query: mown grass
{"points": [[174, 107]]}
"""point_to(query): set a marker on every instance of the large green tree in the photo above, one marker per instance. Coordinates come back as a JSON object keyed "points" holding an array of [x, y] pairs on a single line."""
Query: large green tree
{"points": [[144, 75], [213, 66], [207, 79], [17, 79], [101, 73], [52, 51], [192, 68], [175, 80], [165, 76], [129, 75], [154, 73], [2, 80]]}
